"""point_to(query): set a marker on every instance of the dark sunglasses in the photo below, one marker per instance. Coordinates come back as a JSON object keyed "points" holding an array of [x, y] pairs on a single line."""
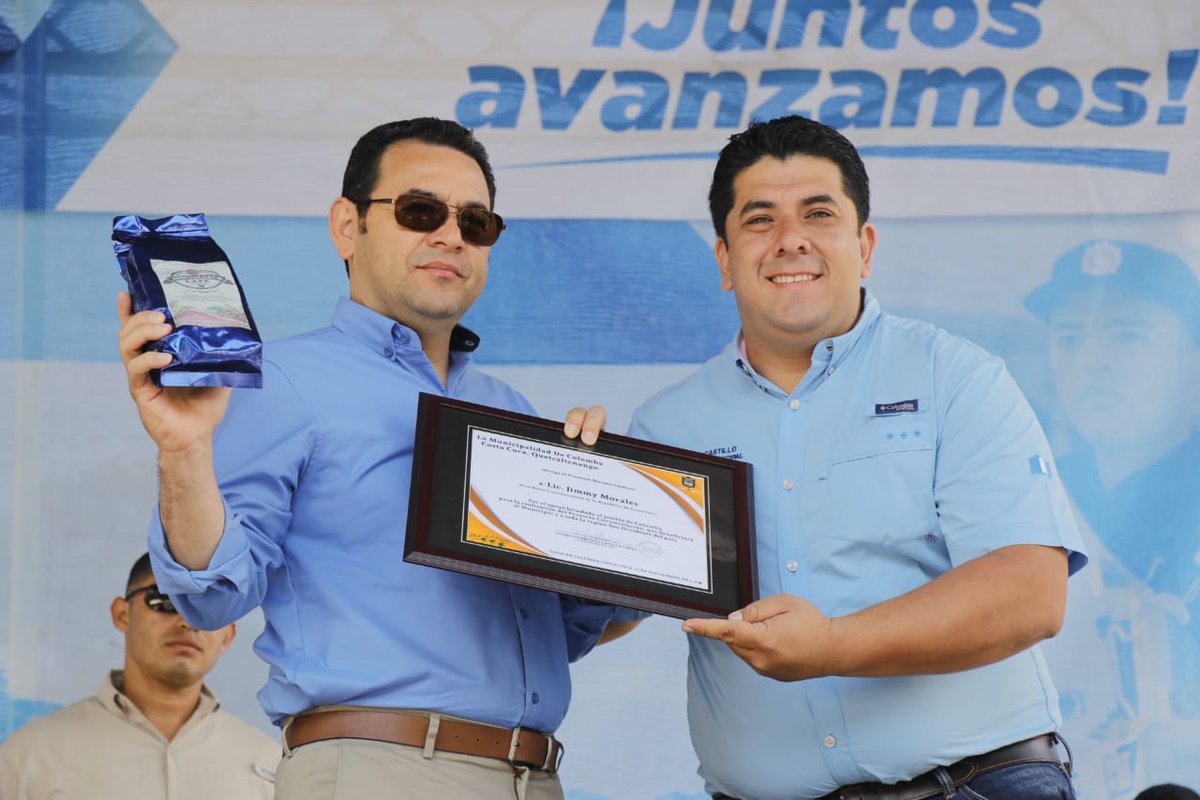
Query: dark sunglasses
{"points": [[424, 214], [155, 600]]}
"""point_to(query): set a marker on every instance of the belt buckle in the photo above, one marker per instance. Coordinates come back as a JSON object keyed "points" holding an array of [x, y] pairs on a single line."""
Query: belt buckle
{"points": [[553, 754]]}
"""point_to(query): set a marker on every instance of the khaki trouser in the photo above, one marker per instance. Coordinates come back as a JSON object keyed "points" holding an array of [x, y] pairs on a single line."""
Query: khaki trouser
{"points": [[360, 769]]}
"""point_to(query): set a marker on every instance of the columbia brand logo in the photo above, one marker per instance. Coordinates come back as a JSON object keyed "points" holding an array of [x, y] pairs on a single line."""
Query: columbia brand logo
{"points": [[908, 406]]}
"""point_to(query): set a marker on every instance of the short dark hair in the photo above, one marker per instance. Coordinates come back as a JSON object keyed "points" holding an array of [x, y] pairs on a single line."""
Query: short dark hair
{"points": [[781, 138], [362, 170], [141, 570], [1167, 791]]}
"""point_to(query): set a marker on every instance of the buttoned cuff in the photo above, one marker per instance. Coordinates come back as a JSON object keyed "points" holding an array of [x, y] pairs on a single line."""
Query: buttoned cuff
{"points": [[231, 562]]}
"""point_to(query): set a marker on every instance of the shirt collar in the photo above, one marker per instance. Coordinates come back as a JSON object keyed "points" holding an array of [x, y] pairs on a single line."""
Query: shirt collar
{"points": [[829, 353], [379, 332], [112, 693], [112, 696], [835, 349]]}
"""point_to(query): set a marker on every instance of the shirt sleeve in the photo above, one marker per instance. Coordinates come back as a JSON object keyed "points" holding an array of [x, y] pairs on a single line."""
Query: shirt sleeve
{"points": [[995, 482], [583, 622], [12, 768], [260, 450]]}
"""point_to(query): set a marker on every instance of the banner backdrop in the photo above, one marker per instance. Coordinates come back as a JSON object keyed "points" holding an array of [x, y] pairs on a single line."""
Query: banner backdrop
{"points": [[1035, 166]]}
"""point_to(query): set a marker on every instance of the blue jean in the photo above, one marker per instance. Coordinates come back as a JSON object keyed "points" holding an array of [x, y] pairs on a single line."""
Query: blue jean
{"points": [[1032, 781]]}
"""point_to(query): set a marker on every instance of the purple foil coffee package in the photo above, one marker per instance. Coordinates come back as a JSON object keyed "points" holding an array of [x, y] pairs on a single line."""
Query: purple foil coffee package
{"points": [[172, 265]]}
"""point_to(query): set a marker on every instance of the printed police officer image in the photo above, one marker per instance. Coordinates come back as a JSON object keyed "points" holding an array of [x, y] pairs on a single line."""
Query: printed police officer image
{"points": [[1124, 327]]}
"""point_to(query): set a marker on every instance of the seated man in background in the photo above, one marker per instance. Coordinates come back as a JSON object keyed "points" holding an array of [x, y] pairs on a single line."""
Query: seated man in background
{"points": [[153, 730]]}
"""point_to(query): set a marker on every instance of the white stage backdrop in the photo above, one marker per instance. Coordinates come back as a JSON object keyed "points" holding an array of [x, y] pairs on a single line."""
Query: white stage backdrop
{"points": [[999, 135]]}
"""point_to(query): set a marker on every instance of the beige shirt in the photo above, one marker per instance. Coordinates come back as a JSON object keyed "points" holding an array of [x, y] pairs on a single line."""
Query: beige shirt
{"points": [[104, 748]]}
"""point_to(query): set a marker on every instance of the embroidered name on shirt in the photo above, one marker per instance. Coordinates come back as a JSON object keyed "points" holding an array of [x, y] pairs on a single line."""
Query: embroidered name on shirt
{"points": [[904, 406], [733, 452]]}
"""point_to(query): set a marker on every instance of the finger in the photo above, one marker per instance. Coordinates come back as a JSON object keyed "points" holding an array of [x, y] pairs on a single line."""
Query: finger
{"points": [[593, 423], [125, 311], [146, 326], [148, 317], [712, 628], [574, 422], [735, 632], [764, 609], [138, 368]]}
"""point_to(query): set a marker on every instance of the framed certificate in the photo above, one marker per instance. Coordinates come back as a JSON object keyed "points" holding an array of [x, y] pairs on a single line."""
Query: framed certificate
{"points": [[508, 496]]}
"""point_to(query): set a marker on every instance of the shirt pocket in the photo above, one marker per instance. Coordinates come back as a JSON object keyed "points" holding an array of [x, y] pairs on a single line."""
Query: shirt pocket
{"points": [[884, 520], [883, 539]]}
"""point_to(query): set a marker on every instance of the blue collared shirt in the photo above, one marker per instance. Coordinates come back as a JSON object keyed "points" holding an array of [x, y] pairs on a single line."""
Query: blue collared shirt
{"points": [[314, 470], [903, 453]]}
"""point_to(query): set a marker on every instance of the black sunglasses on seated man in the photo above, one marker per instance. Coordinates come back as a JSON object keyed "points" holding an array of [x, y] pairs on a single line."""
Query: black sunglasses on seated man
{"points": [[155, 600]]}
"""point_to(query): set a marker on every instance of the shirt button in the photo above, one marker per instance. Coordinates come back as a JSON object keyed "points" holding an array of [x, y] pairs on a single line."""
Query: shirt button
{"points": [[787, 484], [792, 566], [404, 338], [830, 370], [793, 404], [387, 351], [830, 741], [524, 613], [536, 698]]}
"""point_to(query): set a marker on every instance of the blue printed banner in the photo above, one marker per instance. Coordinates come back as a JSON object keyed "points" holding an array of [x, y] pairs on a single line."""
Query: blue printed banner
{"points": [[1034, 170]]}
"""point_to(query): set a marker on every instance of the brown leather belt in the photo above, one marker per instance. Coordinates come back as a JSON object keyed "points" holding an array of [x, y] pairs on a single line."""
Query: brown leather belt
{"points": [[1039, 748], [521, 747]]}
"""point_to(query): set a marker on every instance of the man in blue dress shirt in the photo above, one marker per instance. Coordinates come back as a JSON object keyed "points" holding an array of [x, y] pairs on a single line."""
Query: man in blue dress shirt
{"points": [[913, 539], [389, 679]]}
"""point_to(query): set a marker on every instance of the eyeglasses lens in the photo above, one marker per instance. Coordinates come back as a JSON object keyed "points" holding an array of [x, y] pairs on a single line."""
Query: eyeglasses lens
{"points": [[155, 600], [421, 213], [478, 226], [160, 602]]}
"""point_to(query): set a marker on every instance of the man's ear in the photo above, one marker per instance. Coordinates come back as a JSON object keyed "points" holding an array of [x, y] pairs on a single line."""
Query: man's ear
{"points": [[343, 226], [721, 253], [866, 244], [120, 614], [230, 633]]}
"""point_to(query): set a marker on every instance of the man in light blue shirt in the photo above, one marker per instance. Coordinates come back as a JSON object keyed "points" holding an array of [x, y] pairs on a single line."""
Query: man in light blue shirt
{"points": [[913, 539], [389, 679]]}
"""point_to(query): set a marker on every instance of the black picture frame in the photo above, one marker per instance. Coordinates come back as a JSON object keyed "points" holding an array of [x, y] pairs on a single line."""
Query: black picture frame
{"points": [[439, 514]]}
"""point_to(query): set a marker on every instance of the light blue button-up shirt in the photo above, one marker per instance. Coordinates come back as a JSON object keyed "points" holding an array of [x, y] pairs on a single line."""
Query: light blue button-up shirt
{"points": [[314, 470], [903, 453]]}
